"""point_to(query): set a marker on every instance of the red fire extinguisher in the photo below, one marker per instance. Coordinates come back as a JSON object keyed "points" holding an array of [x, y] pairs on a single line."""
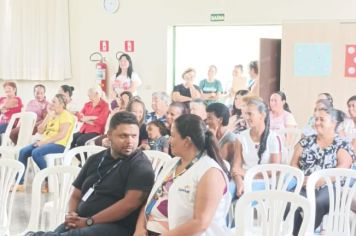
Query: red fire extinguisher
{"points": [[100, 69]]}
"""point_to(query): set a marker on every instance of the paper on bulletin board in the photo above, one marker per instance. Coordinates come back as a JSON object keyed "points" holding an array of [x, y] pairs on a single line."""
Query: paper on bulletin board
{"points": [[312, 60], [350, 61]]}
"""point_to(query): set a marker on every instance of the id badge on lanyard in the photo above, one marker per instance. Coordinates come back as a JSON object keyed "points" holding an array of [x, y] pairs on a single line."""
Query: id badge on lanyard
{"points": [[88, 194]]}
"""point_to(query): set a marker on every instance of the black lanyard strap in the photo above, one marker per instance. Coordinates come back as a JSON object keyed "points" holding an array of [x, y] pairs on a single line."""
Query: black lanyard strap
{"points": [[101, 177]]}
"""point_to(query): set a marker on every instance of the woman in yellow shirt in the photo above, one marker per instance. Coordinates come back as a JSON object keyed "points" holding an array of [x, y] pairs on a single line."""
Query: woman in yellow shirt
{"points": [[55, 129]]}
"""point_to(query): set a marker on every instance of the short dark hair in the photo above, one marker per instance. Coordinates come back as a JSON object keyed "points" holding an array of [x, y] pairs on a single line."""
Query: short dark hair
{"points": [[353, 98], [220, 111], [39, 86], [163, 130], [68, 89], [122, 117], [253, 66]]}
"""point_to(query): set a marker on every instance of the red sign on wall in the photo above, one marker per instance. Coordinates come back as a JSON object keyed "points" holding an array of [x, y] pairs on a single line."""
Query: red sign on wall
{"points": [[350, 61], [129, 46], [104, 45]]}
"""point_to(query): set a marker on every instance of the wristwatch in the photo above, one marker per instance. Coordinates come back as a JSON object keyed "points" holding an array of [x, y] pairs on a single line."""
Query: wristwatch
{"points": [[89, 221]]}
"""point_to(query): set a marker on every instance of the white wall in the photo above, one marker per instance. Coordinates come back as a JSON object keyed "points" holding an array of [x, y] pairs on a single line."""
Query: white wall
{"points": [[148, 22]]}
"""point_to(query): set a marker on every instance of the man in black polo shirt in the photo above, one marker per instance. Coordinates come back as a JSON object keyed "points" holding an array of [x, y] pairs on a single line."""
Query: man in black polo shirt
{"points": [[111, 187]]}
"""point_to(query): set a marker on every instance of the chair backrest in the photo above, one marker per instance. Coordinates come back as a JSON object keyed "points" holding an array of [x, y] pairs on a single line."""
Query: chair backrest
{"points": [[270, 207], [27, 121], [158, 159], [81, 151], [63, 177], [275, 177], [341, 188], [11, 172], [69, 142]]}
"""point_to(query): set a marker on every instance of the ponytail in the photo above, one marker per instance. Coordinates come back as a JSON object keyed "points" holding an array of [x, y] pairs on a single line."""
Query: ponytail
{"points": [[213, 151], [263, 140], [286, 107]]}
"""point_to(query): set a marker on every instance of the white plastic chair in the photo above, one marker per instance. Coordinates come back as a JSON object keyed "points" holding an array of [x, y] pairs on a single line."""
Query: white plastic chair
{"points": [[81, 151], [158, 159], [274, 177], [63, 177], [26, 122], [289, 137], [270, 206], [353, 223], [11, 172], [341, 192]]}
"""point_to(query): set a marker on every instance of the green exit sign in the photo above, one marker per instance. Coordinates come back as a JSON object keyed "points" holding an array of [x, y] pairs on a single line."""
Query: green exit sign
{"points": [[217, 17]]}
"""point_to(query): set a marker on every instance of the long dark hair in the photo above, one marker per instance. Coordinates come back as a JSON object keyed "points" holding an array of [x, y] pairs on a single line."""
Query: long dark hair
{"points": [[189, 125], [235, 110], [284, 98], [129, 70], [262, 108]]}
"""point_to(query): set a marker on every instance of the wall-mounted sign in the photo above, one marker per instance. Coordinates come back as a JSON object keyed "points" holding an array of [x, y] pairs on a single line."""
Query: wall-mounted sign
{"points": [[217, 17], [104, 45], [129, 46], [350, 61]]}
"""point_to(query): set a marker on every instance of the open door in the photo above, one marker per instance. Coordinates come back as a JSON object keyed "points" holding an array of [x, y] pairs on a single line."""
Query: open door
{"points": [[270, 67]]}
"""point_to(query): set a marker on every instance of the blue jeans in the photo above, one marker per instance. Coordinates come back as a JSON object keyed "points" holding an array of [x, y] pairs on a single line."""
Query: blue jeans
{"points": [[108, 229], [3, 128], [38, 154]]}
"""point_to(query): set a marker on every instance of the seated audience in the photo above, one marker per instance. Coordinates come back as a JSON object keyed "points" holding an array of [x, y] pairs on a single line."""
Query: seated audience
{"points": [[38, 105], [175, 110], [351, 105], [94, 115], [217, 120], [157, 137], [190, 194], [187, 91], [9, 105], [255, 145], [198, 107], [323, 150], [138, 108], [160, 104], [236, 122], [120, 102], [111, 187], [55, 129], [67, 92], [280, 114], [211, 87]]}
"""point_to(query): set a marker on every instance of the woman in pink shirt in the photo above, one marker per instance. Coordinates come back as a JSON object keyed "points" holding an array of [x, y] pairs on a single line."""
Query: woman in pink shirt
{"points": [[280, 114], [9, 105], [38, 105]]}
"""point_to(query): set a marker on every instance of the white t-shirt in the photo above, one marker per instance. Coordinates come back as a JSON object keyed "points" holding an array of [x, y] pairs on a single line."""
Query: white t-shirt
{"points": [[123, 83], [250, 148]]}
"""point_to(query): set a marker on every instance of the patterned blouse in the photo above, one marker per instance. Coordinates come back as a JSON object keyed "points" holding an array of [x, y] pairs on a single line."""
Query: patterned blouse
{"points": [[314, 158]]}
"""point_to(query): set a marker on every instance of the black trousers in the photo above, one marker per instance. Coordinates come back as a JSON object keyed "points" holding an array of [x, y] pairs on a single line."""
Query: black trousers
{"points": [[79, 139], [94, 230], [321, 206]]}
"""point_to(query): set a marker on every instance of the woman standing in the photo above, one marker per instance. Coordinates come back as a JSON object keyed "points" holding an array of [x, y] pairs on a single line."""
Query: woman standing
{"points": [[9, 105], [125, 78], [211, 88], [186, 91], [190, 195], [321, 151]]}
